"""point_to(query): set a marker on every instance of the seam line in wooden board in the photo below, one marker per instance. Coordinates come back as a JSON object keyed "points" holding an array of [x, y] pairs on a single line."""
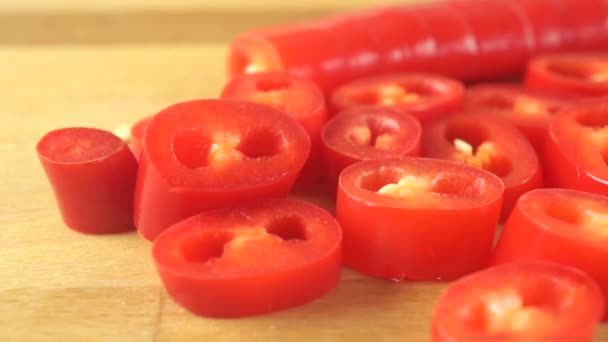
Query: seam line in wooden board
{"points": [[22, 28]]}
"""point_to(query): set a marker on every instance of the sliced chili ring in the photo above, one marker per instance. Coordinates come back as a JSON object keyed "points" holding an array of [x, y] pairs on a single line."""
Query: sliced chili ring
{"points": [[485, 140], [528, 110], [368, 133], [250, 259], [205, 154], [425, 96], [576, 151], [299, 98], [524, 301], [570, 74], [417, 218], [565, 226]]}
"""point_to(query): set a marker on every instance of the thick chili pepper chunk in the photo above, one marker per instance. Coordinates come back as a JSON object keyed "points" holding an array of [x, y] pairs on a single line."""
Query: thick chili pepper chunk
{"points": [[417, 218], [92, 173]]}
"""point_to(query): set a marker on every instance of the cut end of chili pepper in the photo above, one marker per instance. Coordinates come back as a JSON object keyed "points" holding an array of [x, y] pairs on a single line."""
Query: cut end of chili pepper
{"points": [[272, 92], [394, 182], [194, 149], [234, 243], [205, 248], [78, 145], [505, 311], [586, 215]]}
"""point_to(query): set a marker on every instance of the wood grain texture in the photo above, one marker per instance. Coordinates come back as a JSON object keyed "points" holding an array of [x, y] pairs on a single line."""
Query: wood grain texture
{"points": [[59, 285], [50, 6]]}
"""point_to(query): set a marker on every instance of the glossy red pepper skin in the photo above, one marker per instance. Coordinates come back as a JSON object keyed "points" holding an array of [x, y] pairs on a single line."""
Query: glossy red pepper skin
{"points": [[301, 99], [547, 23], [500, 34], [92, 173], [508, 154], [401, 49], [407, 38], [454, 39], [585, 28], [206, 154], [357, 46]]}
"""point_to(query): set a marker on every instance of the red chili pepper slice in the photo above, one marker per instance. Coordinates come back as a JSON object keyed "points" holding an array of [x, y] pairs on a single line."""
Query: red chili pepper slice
{"points": [[206, 154], [92, 173]]}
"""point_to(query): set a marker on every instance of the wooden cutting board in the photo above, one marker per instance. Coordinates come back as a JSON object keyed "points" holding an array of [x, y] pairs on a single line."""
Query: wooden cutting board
{"points": [[108, 63]]}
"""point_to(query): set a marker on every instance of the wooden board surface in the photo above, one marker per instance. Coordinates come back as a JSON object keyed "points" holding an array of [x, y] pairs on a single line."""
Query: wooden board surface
{"points": [[79, 70]]}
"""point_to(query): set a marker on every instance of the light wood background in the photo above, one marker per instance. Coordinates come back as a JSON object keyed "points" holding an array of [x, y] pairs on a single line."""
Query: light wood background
{"points": [[107, 63]]}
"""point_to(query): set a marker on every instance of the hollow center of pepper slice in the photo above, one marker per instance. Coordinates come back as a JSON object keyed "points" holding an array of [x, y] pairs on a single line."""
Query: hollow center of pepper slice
{"points": [[484, 156], [584, 216], [223, 149], [367, 136], [272, 91], [406, 186], [480, 157], [505, 311], [274, 98], [398, 183], [390, 94], [375, 130], [247, 243]]}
